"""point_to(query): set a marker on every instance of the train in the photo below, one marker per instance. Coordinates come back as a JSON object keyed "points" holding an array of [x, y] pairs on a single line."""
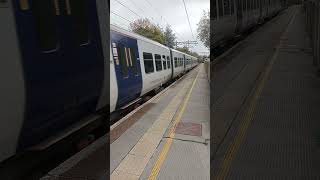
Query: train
{"points": [[58, 67], [312, 10], [231, 18], [140, 65]]}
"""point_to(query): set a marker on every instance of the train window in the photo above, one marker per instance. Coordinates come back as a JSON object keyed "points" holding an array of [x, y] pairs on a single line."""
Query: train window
{"points": [[232, 6], [123, 61], [133, 58], [45, 22], [253, 4], [168, 62], [175, 62], [220, 7], [128, 56], [164, 62], [157, 58], [239, 6], [148, 62], [226, 7], [78, 10], [214, 8]]}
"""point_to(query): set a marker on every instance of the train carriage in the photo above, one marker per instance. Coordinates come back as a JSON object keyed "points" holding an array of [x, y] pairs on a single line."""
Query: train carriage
{"points": [[231, 18], [54, 61], [223, 20], [178, 63], [140, 65]]}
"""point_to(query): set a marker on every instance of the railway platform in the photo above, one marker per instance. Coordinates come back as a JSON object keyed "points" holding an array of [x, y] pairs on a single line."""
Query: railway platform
{"points": [[265, 99], [168, 137]]}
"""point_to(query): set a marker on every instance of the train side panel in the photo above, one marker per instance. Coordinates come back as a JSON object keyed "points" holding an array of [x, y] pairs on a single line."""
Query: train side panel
{"points": [[152, 69], [224, 21], [63, 66], [177, 59], [12, 92], [126, 63], [113, 84], [103, 104]]}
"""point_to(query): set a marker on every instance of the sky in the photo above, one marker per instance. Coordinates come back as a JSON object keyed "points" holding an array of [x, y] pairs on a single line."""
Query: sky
{"points": [[163, 12]]}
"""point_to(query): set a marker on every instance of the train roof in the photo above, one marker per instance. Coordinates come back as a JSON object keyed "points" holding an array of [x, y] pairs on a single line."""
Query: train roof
{"points": [[182, 53], [134, 35], [142, 38]]}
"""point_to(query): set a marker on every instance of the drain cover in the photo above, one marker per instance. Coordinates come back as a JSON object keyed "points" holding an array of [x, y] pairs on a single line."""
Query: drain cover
{"points": [[186, 128]]}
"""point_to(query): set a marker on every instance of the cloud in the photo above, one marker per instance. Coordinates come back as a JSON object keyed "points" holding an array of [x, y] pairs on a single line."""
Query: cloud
{"points": [[172, 12]]}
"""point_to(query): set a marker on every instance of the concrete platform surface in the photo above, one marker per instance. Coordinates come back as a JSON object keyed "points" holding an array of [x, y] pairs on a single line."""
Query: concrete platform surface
{"points": [[275, 134], [171, 140]]}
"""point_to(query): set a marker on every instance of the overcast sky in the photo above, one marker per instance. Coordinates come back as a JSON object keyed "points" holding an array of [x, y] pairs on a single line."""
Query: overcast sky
{"points": [[163, 12]]}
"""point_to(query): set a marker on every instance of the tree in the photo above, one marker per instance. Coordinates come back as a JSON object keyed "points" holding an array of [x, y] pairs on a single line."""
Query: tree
{"points": [[170, 37], [187, 51], [194, 54], [147, 29], [183, 49], [204, 29]]}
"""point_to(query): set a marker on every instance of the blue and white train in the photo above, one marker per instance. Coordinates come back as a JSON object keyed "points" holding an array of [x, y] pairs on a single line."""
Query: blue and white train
{"points": [[139, 65], [231, 18], [54, 71]]}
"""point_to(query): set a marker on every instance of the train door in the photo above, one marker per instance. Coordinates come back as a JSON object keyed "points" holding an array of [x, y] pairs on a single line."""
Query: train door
{"points": [[172, 64], [184, 63], [63, 63], [127, 66]]}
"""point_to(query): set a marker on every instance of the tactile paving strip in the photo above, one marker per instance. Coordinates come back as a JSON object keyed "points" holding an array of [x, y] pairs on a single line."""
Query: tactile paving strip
{"points": [[282, 140]]}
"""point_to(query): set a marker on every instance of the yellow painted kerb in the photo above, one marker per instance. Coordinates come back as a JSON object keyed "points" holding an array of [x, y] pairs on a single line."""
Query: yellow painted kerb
{"points": [[156, 168]]}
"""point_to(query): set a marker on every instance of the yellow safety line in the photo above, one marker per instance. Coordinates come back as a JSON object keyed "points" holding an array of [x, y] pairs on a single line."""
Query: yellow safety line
{"points": [[233, 148], [156, 168]]}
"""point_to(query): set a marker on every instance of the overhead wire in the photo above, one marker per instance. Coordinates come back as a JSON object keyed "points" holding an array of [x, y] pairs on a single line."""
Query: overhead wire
{"points": [[120, 16], [155, 9], [136, 5], [188, 18], [128, 8], [161, 17]]}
